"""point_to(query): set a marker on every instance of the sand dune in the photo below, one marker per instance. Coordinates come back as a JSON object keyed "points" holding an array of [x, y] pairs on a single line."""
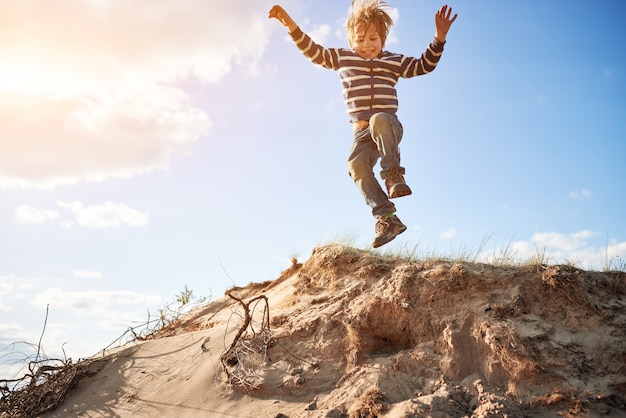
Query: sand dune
{"points": [[352, 333]]}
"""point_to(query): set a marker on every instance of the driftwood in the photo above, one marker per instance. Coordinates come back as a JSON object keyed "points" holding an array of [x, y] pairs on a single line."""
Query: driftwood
{"points": [[244, 359]]}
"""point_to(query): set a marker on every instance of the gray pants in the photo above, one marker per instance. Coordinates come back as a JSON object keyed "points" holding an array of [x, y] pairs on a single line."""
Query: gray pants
{"points": [[379, 140]]}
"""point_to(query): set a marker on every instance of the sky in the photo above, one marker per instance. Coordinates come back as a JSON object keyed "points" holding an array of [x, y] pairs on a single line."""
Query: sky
{"points": [[149, 145]]}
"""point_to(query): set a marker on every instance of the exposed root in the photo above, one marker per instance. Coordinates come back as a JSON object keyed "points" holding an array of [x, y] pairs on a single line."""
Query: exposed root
{"points": [[41, 390], [244, 359]]}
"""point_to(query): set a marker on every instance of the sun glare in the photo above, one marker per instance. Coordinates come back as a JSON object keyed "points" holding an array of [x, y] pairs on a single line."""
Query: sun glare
{"points": [[15, 75], [24, 77]]}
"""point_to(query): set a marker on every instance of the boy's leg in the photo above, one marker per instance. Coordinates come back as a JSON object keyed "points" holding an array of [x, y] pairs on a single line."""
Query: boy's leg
{"points": [[387, 133], [363, 156]]}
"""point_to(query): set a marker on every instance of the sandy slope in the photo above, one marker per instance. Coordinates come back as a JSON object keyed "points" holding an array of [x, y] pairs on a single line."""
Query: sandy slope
{"points": [[355, 334]]}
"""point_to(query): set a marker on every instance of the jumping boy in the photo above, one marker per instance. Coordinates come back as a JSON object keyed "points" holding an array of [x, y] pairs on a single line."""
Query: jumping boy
{"points": [[368, 76]]}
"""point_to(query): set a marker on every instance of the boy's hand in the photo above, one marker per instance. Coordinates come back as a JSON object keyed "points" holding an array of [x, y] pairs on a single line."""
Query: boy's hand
{"points": [[283, 17], [443, 22]]}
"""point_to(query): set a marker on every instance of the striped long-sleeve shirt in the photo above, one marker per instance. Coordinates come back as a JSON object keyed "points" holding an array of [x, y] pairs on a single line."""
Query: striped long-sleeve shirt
{"points": [[368, 85]]}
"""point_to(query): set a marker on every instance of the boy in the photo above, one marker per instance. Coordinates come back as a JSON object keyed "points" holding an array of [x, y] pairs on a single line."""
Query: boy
{"points": [[368, 76]]}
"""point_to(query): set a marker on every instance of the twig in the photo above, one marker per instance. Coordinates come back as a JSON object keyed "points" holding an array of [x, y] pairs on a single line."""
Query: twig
{"points": [[45, 322], [224, 270]]}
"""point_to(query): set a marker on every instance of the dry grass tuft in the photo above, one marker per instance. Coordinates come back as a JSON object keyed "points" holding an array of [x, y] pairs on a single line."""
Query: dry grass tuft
{"points": [[372, 404]]}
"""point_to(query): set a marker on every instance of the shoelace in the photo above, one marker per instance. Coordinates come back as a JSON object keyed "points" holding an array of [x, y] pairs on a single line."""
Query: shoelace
{"points": [[381, 224], [396, 177]]}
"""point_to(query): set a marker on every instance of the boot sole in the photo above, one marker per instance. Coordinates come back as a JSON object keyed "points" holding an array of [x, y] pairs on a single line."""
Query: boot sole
{"points": [[380, 244], [399, 191]]}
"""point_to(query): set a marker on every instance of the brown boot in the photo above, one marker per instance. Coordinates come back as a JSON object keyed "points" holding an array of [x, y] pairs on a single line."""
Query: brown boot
{"points": [[387, 228], [396, 187]]}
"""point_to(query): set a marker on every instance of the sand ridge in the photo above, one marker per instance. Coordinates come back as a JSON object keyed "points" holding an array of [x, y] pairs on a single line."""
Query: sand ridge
{"points": [[351, 333]]}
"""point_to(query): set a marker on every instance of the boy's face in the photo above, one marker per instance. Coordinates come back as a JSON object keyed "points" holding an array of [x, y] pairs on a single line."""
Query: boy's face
{"points": [[366, 42]]}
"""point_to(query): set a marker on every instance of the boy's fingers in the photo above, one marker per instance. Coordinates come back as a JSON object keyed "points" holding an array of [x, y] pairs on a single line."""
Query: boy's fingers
{"points": [[274, 12], [445, 12]]}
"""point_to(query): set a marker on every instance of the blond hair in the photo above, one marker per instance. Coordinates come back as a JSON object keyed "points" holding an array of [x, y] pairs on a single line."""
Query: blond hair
{"points": [[364, 13]]}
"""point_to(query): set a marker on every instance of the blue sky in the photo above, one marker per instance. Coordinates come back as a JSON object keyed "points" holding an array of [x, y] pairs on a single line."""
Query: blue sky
{"points": [[151, 144]]}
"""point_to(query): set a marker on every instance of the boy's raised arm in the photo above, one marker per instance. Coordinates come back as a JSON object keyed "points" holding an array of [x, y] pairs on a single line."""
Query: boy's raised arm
{"points": [[283, 17], [443, 22]]}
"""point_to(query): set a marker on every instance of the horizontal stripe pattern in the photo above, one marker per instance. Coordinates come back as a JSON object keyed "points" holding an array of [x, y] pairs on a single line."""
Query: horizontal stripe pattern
{"points": [[368, 85]]}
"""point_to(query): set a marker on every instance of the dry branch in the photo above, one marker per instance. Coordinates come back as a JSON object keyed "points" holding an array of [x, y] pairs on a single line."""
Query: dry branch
{"points": [[243, 360]]}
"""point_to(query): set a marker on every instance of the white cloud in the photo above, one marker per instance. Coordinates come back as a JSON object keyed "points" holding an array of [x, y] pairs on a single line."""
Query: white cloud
{"points": [[10, 333], [96, 303], [6, 290], [106, 215], [110, 308], [392, 39], [558, 248], [30, 214], [579, 248], [320, 33], [87, 274], [87, 88], [17, 289], [580, 195], [448, 234], [561, 242]]}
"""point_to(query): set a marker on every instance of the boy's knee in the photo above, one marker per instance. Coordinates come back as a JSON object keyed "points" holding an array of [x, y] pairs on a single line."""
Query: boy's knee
{"points": [[386, 127], [380, 118]]}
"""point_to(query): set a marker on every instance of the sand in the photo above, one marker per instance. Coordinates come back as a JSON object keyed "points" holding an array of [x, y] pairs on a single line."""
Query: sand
{"points": [[350, 333]]}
